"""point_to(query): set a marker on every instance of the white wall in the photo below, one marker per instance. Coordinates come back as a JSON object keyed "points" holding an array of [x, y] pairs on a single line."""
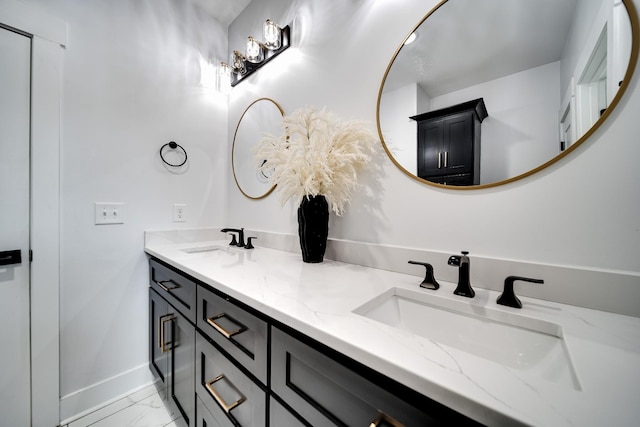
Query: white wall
{"points": [[590, 17], [130, 84], [399, 130], [584, 210], [521, 132]]}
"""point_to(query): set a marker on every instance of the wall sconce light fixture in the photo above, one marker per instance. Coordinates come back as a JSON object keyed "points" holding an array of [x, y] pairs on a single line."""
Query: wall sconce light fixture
{"points": [[272, 35], [224, 78], [254, 51], [257, 53]]}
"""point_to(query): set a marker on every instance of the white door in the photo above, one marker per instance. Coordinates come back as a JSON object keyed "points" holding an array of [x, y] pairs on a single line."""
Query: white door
{"points": [[15, 379]]}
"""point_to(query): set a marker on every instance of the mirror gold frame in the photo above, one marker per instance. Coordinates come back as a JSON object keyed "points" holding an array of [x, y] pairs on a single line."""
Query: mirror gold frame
{"points": [[635, 31], [234, 162]]}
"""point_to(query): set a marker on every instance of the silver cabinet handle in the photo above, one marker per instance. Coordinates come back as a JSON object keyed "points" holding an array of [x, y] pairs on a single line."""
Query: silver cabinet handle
{"points": [[166, 288], [225, 332], [227, 407], [384, 420], [446, 159], [439, 159]]}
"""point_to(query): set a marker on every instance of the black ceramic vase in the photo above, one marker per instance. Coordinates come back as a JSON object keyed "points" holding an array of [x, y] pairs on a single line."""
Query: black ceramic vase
{"points": [[313, 227]]}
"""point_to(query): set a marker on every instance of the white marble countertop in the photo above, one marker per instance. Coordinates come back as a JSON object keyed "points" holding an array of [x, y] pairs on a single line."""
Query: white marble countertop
{"points": [[318, 300]]}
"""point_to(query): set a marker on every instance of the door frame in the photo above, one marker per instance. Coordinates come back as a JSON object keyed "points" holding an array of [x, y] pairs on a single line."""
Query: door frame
{"points": [[49, 38]]}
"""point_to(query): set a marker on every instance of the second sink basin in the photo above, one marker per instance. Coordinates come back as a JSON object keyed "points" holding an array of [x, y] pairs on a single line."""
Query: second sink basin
{"points": [[199, 249], [529, 345]]}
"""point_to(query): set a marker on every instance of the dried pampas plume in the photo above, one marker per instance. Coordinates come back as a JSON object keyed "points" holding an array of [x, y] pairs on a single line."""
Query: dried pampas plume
{"points": [[316, 155]]}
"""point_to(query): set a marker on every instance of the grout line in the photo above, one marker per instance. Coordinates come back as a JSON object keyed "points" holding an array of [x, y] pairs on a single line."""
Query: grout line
{"points": [[134, 398]]}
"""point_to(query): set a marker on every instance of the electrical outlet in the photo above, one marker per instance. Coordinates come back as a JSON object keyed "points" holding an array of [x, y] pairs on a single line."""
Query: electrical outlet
{"points": [[109, 213], [179, 212]]}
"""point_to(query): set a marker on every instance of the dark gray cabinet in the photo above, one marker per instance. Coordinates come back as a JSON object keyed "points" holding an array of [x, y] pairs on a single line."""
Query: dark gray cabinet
{"points": [[159, 343], [172, 343], [204, 417], [279, 416], [449, 143]]}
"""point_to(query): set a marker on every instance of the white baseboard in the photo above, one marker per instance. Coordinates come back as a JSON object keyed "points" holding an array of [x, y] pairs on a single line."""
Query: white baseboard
{"points": [[84, 401]]}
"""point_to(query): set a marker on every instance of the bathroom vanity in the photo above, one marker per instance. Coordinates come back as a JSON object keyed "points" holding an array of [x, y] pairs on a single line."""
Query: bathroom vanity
{"points": [[257, 337]]}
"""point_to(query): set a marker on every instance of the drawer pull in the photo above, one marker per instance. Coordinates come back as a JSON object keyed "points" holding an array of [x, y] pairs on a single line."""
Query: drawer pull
{"points": [[384, 420], [227, 334], [166, 288], [162, 343], [227, 407]]}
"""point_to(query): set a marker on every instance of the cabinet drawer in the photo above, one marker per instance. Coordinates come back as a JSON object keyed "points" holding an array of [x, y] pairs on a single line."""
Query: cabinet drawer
{"points": [[240, 333], [177, 289], [325, 392], [231, 397], [281, 417], [204, 419]]}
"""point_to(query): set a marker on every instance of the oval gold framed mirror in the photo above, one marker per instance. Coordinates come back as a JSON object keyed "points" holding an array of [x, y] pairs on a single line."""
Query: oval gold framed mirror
{"points": [[262, 116], [509, 89]]}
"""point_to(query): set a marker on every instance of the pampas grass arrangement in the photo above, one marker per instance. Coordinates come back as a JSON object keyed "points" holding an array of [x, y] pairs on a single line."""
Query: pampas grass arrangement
{"points": [[316, 154]]}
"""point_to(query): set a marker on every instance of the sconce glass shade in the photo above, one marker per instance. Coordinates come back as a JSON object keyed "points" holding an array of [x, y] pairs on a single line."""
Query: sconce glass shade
{"points": [[237, 62], [254, 51], [224, 78], [272, 35]]}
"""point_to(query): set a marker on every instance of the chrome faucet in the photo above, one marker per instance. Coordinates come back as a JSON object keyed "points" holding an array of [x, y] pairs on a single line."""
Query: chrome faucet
{"points": [[464, 274], [240, 242]]}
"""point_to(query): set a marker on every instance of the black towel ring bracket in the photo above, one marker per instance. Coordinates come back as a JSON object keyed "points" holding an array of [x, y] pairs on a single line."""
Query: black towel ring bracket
{"points": [[173, 145]]}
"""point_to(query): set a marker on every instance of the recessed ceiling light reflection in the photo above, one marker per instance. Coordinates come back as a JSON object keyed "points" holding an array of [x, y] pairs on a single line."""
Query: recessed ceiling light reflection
{"points": [[411, 39]]}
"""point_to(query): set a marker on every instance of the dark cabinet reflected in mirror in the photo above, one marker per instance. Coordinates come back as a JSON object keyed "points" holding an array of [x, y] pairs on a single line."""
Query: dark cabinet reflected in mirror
{"points": [[548, 71], [449, 142]]}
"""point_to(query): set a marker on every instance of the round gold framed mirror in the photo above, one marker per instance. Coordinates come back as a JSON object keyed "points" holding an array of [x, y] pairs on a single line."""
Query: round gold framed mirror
{"points": [[492, 91], [262, 116]]}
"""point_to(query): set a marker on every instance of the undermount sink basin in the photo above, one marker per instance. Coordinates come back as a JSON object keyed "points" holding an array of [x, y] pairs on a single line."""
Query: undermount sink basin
{"points": [[527, 345], [199, 249]]}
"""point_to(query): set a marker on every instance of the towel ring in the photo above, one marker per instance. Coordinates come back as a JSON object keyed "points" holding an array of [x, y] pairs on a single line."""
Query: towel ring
{"points": [[173, 145]]}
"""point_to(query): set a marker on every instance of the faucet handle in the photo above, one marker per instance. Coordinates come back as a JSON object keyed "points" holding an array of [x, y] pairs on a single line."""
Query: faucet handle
{"points": [[233, 242], [429, 281], [508, 296], [249, 244]]}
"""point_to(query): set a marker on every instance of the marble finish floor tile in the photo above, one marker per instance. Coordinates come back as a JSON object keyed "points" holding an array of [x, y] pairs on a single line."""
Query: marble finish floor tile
{"points": [[144, 408]]}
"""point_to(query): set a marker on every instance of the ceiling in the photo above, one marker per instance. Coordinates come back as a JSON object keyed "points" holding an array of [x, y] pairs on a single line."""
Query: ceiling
{"points": [[224, 10], [467, 42]]}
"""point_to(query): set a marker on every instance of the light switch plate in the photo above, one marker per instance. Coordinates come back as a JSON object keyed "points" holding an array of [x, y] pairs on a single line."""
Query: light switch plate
{"points": [[109, 213]]}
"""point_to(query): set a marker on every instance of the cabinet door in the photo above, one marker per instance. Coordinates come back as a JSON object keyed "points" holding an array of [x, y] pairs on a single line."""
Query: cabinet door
{"points": [[430, 148], [446, 146], [182, 366], [158, 359], [458, 145]]}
